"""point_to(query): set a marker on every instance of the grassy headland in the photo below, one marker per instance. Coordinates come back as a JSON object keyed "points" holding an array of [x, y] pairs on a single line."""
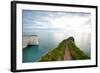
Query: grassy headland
{"points": [[57, 54]]}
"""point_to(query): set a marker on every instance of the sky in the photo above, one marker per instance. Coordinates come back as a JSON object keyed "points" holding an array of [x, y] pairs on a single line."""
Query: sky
{"points": [[55, 20]]}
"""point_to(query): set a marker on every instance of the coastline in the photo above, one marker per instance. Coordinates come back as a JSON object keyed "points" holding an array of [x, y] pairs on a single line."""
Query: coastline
{"points": [[29, 40], [57, 54]]}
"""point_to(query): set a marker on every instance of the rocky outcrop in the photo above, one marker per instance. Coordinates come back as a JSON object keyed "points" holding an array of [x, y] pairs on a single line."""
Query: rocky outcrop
{"points": [[29, 40]]}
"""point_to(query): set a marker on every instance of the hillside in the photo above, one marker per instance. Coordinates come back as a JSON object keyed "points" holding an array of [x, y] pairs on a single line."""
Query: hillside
{"points": [[57, 54]]}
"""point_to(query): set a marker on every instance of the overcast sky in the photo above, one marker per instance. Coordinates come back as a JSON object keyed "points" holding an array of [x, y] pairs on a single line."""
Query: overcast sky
{"points": [[50, 20]]}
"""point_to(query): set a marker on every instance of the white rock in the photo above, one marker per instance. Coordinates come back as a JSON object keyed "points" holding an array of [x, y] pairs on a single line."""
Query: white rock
{"points": [[29, 40], [33, 40]]}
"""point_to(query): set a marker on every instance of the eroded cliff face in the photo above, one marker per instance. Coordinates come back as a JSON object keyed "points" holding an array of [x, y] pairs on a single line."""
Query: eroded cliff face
{"points": [[29, 40]]}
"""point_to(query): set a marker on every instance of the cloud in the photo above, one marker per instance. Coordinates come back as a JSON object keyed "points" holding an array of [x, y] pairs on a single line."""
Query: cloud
{"points": [[55, 20]]}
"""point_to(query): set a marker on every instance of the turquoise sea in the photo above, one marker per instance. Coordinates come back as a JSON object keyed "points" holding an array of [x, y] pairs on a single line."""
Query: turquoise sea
{"points": [[49, 39]]}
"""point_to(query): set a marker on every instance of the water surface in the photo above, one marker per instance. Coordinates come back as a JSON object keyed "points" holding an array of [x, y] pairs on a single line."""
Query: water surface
{"points": [[49, 39]]}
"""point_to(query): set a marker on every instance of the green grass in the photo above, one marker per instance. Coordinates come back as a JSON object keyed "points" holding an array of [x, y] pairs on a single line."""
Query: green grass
{"points": [[57, 53], [76, 53]]}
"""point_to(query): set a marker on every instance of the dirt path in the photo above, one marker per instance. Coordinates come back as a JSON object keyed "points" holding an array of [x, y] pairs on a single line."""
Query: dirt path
{"points": [[67, 55]]}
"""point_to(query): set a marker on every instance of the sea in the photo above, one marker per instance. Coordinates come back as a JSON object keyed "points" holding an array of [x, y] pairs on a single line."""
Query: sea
{"points": [[50, 39]]}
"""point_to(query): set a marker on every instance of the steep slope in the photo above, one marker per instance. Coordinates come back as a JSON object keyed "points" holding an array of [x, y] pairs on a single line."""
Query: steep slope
{"points": [[58, 53]]}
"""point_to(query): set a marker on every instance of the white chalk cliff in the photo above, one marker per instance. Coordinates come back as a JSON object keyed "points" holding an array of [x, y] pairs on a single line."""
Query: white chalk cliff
{"points": [[29, 40]]}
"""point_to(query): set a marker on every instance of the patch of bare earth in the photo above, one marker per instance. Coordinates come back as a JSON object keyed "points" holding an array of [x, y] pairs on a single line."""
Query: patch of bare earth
{"points": [[67, 54]]}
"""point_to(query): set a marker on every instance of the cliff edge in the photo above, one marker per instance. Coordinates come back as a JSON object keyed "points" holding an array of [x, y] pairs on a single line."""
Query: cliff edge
{"points": [[66, 50], [29, 40]]}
